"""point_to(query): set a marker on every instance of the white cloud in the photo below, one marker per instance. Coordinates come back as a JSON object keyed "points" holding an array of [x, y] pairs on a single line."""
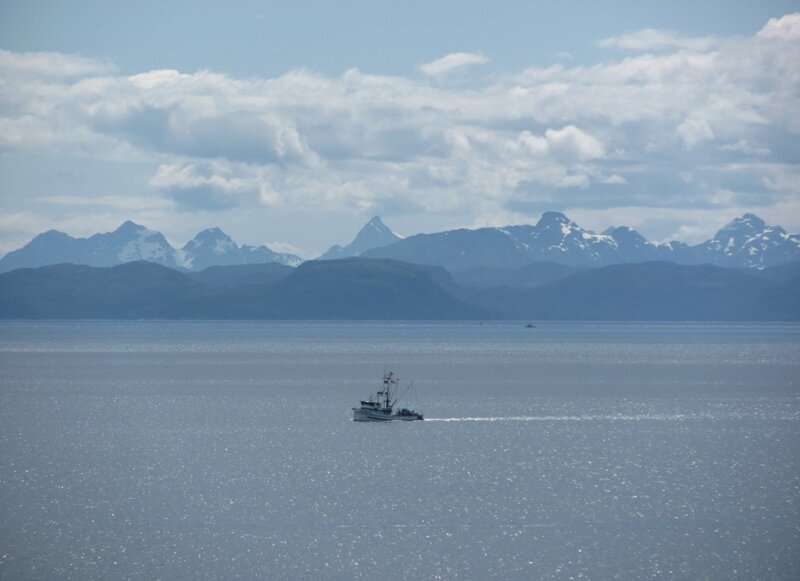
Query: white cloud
{"points": [[452, 62], [219, 176], [535, 145], [658, 223], [786, 27], [694, 131], [50, 64], [543, 137], [572, 143], [215, 185], [745, 147], [18, 228], [614, 179], [566, 144], [652, 39]]}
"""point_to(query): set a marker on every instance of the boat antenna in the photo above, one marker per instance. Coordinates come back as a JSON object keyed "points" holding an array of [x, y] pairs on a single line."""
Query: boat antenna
{"points": [[405, 391]]}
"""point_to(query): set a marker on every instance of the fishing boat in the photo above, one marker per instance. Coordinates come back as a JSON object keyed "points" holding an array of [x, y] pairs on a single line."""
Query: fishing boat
{"points": [[381, 406]]}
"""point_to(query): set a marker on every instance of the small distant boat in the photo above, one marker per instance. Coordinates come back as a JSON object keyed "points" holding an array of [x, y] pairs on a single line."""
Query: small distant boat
{"points": [[381, 406]]}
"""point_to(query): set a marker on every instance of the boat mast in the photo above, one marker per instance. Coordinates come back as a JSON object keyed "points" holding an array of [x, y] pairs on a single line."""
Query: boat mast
{"points": [[387, 382]]}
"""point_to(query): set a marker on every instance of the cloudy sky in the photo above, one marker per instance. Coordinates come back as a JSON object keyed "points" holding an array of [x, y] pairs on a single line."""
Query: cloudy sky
{"points": [[291, 123]]}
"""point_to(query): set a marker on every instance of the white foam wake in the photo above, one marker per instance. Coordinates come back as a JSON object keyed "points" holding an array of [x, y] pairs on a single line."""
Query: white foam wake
{"points": [[580, 418]]}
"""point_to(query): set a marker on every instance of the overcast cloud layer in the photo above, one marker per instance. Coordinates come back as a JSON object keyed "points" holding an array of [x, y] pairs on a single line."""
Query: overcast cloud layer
{"points": [[678, 130]]}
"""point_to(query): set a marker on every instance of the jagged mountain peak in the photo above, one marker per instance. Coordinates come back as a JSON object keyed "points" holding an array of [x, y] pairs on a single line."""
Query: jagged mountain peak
{"points": [[374, 231], [554, 219], [750, 217], [376, 222], [213, 234], [740, 229], [556, 231], [215, 231], [52, 235], [130, 227], [212, 240], [626, 234], [373, 234], [750, 241], [749, 222], [213, 247]]}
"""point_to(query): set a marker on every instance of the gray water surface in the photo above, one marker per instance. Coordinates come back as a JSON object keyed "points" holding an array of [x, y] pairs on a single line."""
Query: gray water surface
{"points": [[216, 450]]}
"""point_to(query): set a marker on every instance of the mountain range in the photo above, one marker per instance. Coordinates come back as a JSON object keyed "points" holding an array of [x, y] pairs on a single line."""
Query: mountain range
{"points": [[382, 289], [746, 242], [133, 242], [552, 270]]}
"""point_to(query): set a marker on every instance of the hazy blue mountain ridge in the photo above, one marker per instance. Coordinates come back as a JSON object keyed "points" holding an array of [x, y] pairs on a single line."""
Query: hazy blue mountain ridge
{"points": [[68, 291], [378, 289], [354, 288], [341, 289], [528, 276], [658, 291], [242, 274]]}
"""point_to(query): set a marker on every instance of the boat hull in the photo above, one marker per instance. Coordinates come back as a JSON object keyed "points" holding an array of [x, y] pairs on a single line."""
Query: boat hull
{"points": [[362, 415]]}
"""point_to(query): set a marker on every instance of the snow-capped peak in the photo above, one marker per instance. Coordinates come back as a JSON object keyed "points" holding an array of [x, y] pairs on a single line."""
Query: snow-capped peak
{"points": [[749, 240], [210, 246], [213, 247], [557, 232], [140, 243]]}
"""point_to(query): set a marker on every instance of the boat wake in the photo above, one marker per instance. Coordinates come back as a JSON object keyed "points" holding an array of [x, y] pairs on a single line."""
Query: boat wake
{"points": [[585, 418]]}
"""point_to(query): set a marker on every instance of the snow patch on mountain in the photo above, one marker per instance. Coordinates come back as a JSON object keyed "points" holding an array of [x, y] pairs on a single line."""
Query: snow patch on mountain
{"points": [[745, 242], [146, 245], [748, 241], [131, 242], [213, 247]]}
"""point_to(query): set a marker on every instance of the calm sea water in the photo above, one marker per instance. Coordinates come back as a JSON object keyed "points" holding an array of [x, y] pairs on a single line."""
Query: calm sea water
{"points": [[194, 450]]}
